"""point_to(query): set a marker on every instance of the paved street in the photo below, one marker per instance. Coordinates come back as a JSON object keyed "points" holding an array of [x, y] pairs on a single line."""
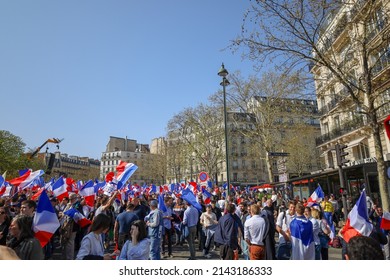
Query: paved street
{"points": [[182, 253]]}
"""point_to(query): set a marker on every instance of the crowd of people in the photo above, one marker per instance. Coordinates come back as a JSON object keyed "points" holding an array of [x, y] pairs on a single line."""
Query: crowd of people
{"points": [[249, 226]]}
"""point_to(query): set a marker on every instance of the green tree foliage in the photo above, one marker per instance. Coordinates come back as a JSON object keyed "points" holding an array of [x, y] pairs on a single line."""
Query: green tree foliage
{"points": [[11, 152]]}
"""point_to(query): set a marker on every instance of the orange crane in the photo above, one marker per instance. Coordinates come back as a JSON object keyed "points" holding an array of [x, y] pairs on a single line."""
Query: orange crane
{"points": [[50, 140]]}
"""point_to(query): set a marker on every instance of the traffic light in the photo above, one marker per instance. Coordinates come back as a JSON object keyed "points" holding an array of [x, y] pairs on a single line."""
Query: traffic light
{"points": [[341, 154]]}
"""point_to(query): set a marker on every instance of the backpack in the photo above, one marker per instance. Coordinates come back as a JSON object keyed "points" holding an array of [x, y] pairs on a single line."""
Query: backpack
{"points": [[66, 229]]}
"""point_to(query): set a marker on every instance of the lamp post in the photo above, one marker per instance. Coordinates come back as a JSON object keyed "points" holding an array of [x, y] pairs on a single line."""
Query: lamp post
{"points": [[223, 73]]}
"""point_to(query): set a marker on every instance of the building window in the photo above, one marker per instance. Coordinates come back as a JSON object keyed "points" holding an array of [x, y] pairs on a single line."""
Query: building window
{"points": [[253, 164], [361, 151], [337, 122], [326, 128], [322, 102]]}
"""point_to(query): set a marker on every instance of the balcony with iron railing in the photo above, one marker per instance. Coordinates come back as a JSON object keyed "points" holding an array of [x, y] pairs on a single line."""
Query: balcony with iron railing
{"points": [[347, 127], [329, 106], [383, 112]]}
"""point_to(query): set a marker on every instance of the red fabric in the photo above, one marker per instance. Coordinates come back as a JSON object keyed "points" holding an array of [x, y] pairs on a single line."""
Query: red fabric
{"points": [[387, 126]]}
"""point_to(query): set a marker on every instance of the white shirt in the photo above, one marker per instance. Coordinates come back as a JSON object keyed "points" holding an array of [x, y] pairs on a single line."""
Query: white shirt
{"points": [[92, 244], [316, 230], [284, 223], [254, 229]]}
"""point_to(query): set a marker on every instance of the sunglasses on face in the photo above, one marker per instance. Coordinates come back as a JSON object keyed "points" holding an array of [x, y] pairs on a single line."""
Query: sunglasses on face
{"points": [[2, 213]]}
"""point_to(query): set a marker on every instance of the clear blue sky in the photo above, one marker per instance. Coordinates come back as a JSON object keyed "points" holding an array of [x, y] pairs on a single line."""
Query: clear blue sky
{"points": [[85, 70]]}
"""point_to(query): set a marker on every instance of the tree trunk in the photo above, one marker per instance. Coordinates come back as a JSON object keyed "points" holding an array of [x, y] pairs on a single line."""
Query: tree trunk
{"points": [[269, 167], [381, 166]]}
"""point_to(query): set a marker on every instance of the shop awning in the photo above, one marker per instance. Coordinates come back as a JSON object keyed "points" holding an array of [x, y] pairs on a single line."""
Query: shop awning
{"points": [[264, 186], [356, 142]]}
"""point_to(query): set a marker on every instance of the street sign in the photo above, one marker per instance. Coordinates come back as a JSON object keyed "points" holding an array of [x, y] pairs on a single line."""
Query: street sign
{"points": [[278, 154], [203, 176]]}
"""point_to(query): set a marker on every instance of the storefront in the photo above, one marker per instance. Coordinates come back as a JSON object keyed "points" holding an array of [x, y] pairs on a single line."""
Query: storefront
{"points": [[358, 175]]}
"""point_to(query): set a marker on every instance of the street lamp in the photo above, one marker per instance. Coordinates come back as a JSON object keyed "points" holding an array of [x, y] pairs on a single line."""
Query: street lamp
{"points": [[223, 73]]}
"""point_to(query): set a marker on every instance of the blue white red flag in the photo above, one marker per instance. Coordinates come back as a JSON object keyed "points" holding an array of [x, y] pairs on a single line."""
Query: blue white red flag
{"points": [[302, 239], [79, 218], [35, 184], [25, 179], [315, 197], [385, 221], [88, 192], [7, 190], [45, 221], [124, 172], [206, 196], [59, 189], [49, 185], [357, 223]]}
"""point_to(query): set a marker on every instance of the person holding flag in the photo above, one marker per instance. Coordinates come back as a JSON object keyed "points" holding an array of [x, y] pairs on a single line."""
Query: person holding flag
{"points": [[357, 223]]}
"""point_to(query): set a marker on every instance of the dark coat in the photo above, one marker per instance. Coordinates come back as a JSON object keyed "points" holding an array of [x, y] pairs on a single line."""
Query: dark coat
{"points": [[268, 215]]}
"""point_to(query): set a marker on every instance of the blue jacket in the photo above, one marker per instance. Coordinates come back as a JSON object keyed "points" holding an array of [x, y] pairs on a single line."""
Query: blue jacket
{"points": [[227, 230]]}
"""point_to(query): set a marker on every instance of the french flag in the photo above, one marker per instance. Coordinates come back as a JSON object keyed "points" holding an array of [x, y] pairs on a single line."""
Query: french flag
{"points": [[206, 196], [36, 184], [25, 179], [88, 192], [79, 218], [59, 189], [45, 221], [385, 222], [357, 223], [6, 190], [49, 185], [315, 197], [302, 239], [124, 171]]}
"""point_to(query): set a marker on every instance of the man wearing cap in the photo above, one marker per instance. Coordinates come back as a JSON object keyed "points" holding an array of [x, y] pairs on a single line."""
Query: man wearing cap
{"points": [[154, 221], [190, 219]]}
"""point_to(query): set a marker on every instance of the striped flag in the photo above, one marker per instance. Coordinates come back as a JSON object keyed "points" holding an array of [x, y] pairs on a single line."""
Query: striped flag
{"points": [[45, 221], [59, 189], [302, 239], [357, 223], [385, 222], [79, 218], [124, 172]]}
